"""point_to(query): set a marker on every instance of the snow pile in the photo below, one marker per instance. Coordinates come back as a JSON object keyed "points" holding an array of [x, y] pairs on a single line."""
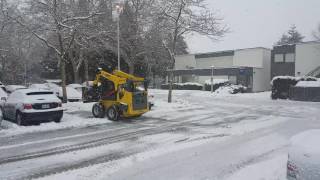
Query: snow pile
{"points": [[308, 84], [230, 89], [216, 81], [189, 84]]}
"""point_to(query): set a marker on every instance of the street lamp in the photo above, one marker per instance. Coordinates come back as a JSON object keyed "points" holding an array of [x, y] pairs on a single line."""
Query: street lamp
{"points": [[119, 8], [212, 68]]}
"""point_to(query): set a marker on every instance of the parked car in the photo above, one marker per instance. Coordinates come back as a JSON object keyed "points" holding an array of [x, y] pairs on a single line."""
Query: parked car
{"points": [[11, 88], [2, 86], [72, 94], [39, 86], [304, 156], [77, 87], [28, 105], [3, 96]]}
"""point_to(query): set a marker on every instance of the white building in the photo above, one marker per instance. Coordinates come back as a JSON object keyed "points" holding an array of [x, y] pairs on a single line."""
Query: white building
{"points": [[249, 67], [302, 59]]}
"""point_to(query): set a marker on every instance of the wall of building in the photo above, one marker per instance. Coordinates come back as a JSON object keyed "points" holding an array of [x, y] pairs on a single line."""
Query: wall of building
{"points": [[283, 68], [307, 58], [249, 57], [185, 62], [261, 76], [219, 62]]}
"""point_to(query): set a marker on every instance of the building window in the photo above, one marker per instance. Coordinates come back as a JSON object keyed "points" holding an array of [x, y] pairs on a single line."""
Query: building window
{"points": [[278, 58], [289, 57]]}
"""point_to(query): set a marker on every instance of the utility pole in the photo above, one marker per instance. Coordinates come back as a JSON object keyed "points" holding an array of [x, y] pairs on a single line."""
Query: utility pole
{"points": [[212, 68], [119, 8]]}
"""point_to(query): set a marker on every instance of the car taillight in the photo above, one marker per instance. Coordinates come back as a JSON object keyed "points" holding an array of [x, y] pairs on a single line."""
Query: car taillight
{"points": [[27, 106]]}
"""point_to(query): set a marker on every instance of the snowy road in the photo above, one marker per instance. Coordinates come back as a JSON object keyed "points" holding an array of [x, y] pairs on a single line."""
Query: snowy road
{"points": [[199, 136]]}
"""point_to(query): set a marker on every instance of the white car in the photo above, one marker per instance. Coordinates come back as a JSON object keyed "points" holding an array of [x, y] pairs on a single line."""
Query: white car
{"points": [[3, 95], [2, 86], [72, 94], [77, 87], [39, 86], [28, 105], [12, 88], [304, 156]]}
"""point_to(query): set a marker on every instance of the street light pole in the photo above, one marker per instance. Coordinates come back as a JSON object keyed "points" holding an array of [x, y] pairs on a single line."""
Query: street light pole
{"points": [[118, 39], [212, 67]]}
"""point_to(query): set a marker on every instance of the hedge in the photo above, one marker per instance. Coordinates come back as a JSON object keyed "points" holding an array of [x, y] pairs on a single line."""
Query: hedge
{"points": [[281, 85]]}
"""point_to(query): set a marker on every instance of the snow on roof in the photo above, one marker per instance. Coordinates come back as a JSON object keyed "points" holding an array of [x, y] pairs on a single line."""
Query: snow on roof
{"points": [[292, 78], [189, 83], [308, 84]]}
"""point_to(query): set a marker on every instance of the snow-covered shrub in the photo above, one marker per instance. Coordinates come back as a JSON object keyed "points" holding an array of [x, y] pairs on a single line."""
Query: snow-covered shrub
{"points": [[281, 85], [217, 83], [184, 86], [231, 89]]}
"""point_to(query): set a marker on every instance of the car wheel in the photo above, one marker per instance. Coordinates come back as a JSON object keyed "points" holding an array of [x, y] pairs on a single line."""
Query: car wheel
{"points": [[3, 115], [113, 113], [19, 119], [58, 120], [98, 110]]}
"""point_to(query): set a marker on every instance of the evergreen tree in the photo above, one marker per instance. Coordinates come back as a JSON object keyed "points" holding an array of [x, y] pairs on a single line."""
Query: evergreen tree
{"points": [[291, 37]]}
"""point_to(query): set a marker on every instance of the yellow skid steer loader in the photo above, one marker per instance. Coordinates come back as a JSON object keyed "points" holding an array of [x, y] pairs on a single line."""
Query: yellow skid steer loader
{"points": [[117, 94]]}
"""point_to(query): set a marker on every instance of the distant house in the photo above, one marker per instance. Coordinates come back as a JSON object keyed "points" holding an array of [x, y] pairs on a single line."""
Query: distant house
{"points": [[248, 67], [301, 59]]}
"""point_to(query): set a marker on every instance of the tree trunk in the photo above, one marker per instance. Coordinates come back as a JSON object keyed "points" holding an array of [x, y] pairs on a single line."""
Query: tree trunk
{"points": [[131, 68], [86, 71], [76, 76], [170, 78], [63, 79]]}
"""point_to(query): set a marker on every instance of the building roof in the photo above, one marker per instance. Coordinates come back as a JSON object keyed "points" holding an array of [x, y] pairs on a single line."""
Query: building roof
{"points": [[219, 53]]}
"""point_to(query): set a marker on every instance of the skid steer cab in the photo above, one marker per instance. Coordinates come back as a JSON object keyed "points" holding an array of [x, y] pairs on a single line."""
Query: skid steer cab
{"points": [[118, 95]]}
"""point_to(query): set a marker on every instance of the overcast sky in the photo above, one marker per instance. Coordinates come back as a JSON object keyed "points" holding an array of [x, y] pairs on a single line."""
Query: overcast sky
{"points": [[256, 23]]}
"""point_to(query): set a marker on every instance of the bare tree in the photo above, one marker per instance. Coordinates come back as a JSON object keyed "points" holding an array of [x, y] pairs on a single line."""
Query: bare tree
{"points": [[54, 23], [180, 17]]}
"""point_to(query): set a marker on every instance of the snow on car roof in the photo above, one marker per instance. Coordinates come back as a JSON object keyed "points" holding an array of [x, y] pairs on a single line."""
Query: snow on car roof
{"points": [[308, 140], [14, 87]]}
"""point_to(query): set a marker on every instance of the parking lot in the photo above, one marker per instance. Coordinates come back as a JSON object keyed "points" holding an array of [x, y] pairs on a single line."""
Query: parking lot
{"points": [[198, 130]]}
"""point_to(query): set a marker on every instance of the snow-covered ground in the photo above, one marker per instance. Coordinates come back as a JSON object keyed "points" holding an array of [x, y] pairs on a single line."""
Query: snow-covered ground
{"points": [[198, 136]]}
